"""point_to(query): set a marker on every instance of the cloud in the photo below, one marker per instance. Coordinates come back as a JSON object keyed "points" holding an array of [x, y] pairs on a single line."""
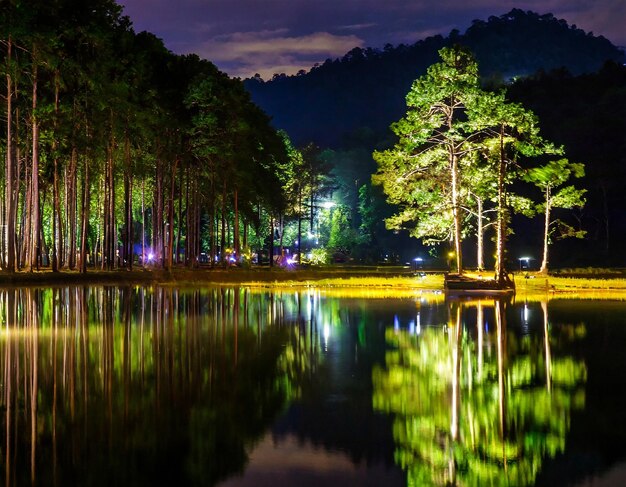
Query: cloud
{"points": [[247, 36], [367, 25], [272, 51]]}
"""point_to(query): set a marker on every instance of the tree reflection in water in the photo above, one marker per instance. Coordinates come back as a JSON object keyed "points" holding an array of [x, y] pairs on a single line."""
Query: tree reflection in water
{"points": [[476, 404], [136, 386]]}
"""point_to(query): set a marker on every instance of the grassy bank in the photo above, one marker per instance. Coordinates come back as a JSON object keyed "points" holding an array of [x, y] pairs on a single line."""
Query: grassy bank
{"points": [[354, 277]]}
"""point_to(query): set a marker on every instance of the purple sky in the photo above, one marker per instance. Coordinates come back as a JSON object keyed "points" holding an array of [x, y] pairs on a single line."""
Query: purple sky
{"points": [[244, 37]]}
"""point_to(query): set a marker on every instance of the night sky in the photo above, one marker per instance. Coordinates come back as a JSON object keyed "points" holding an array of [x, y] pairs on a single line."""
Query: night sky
{"points": [[244, 37]]}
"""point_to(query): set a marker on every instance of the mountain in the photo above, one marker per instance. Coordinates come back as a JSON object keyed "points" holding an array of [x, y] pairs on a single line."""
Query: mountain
{"points": [[366, 88]]}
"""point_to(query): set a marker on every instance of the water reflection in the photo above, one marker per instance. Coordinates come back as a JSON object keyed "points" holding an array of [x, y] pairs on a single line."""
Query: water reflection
{"points": [[109, 386], [120, 386], [476, 400]]}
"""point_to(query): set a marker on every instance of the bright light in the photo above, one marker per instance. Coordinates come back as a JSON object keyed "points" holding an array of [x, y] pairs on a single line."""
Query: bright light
{"points": [[526, 313], [418, 259], [150, 257], [328, 204], [412, 327], [326, 336]]}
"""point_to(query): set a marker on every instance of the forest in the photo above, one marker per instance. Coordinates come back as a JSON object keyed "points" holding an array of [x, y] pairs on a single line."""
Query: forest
{"points": [[573, 81], [119, 152]]}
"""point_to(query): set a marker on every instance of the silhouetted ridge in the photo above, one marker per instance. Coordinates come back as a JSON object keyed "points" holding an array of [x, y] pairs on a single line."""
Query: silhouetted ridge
{"points": [[366, 88]]}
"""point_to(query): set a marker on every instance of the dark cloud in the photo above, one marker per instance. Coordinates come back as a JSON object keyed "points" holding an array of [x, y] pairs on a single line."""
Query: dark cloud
{"points": [[244, 37]]}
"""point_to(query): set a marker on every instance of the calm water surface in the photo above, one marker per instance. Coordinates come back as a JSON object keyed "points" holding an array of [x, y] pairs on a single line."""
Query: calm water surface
{"points": [[241, 387]]}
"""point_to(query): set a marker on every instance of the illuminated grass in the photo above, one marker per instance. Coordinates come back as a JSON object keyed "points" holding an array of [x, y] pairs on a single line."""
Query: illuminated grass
{"points": [[430, 281], [363, 282]]}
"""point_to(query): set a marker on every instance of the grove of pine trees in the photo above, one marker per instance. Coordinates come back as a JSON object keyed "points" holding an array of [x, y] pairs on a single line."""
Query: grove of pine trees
{"points": [[461, 150], [117, 150]]}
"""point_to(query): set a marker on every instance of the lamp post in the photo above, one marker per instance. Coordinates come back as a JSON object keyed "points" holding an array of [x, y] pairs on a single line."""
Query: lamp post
{"points": [[524, 263]]}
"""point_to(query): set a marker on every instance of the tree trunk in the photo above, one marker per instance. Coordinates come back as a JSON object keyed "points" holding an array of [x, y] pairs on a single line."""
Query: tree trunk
{"points": [[236, 225], [34, 215], [196, 199], [170, 217], [72, 203], [157, 215], [10, 189], [189, 236], [223, 227], [127, 253], [56, 210], [480, 254], [454, 173], [281, 233], [143, 223], [299, 224], [180, 213], [271, 249], [85, 202], [500, 268], [546, 233]]}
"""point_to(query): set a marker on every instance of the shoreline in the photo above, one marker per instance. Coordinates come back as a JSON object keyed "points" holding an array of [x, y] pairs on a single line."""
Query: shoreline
{"points": [[376, 277]]}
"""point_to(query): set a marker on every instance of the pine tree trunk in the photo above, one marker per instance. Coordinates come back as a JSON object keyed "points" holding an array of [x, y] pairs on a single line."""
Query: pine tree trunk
{"points": [[188, 233], [223, 226], [500, 270], [546, 234], [236, 224], [454, 173], [196, 199], [213, 223], [299, 225], [170, 217], [180, 214], [56, 213], [157, 215], [72, 204], [271, 240], [111, 209], [480, 254], [10, 187], [34, 185], [85, 203], [143, 223]]}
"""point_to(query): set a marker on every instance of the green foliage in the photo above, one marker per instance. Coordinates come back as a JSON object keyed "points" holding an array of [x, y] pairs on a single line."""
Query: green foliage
{"points": [[342, 237], [550, 179], [119, 115], [319, 256], [422, 173]]}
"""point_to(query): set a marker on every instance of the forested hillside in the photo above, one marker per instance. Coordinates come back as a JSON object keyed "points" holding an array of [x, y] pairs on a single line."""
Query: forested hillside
{"points": [[366, 87], [574, 81]]}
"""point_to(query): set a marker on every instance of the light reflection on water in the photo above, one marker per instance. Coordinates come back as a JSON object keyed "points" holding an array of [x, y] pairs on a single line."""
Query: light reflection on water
{"points": [[144, 386]]}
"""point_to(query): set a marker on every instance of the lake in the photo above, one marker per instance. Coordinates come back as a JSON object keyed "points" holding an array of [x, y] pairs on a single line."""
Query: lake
{"points": [[242, 386]]}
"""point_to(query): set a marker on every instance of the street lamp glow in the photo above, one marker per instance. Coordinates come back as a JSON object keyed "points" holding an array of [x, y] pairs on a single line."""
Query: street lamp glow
{"points": [[524, 260]]}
